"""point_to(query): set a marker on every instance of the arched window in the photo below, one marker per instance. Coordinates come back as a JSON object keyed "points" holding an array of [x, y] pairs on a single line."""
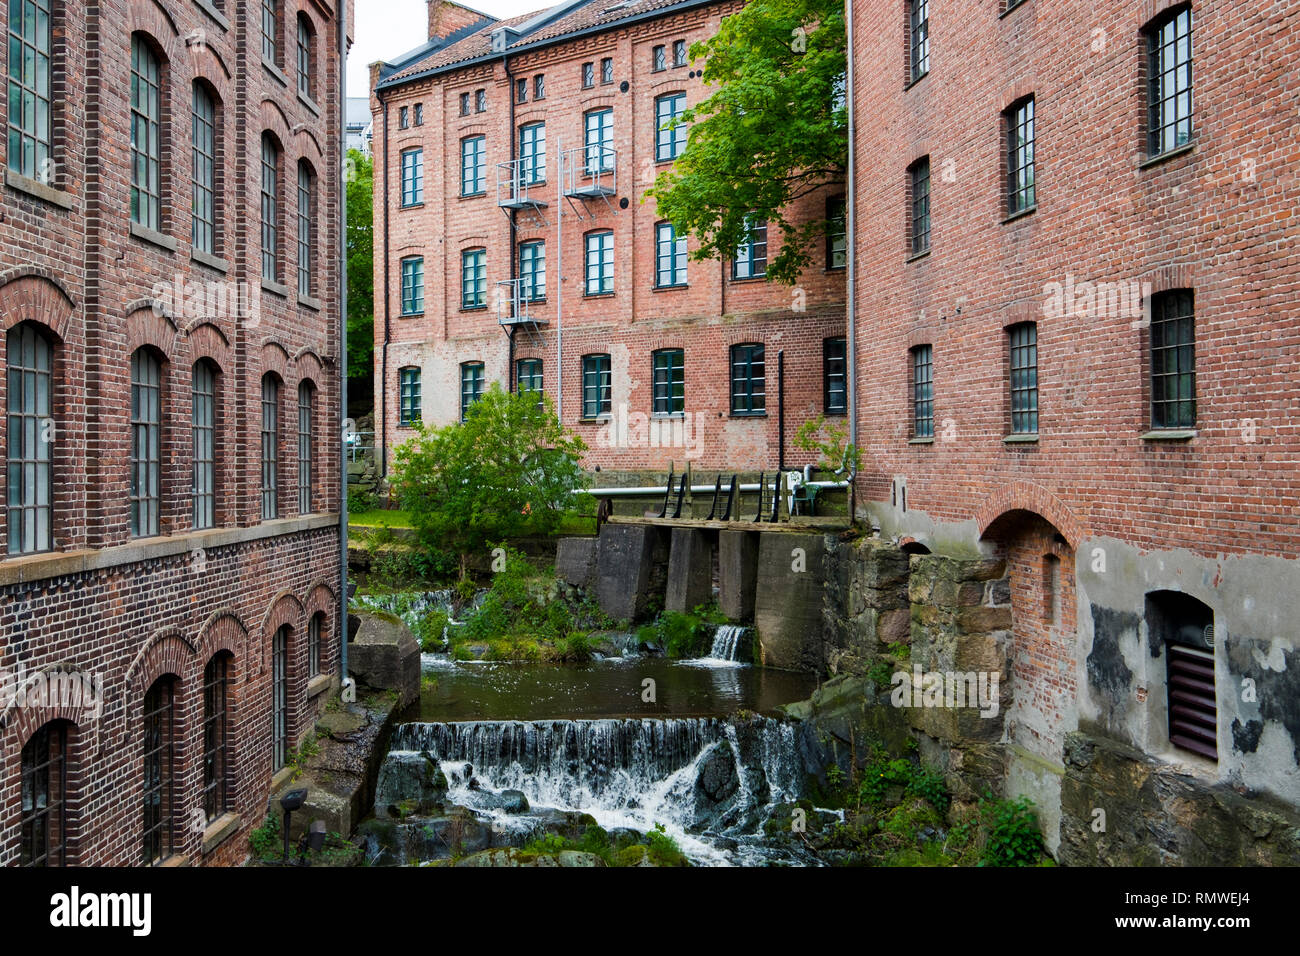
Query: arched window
{"points": [[271, 49], [270, 208], [159, 771], [30, 399], [306, 228], [306, 407], [146, 134], [216, 736], [31, 113], [306, 57], [205, 198], [146, 442], [270, 446], [44, 820], [280, 698], [203, 401], [314, 631]]}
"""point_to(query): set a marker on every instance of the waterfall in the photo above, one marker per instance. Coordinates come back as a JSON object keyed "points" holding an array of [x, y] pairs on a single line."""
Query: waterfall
{"points": [[727, 642], [694, 775]]}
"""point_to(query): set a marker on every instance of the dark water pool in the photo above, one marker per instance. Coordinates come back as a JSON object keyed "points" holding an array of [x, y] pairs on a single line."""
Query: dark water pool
{"points": [[615, 687]]}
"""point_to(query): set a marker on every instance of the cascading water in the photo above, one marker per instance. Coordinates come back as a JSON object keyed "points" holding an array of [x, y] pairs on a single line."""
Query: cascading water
{"points": [[711, 782], [727, 642]]}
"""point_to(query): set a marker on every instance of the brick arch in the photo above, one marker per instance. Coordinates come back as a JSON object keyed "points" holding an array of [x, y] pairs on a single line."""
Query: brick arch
{"points": [[746, 336], [306, 135], [320, 597], [25, 721], [309, 365], [1022, 496], [28, 294], [1148, 10], [275, 122], [285, 608], [222, 631], [206, 340], [155, 18], [275, 358], [165, 653], [145, 326], [209, 65]]}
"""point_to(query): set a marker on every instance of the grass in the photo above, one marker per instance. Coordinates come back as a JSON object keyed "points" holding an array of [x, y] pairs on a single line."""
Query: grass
{"points": [[380, 518]]}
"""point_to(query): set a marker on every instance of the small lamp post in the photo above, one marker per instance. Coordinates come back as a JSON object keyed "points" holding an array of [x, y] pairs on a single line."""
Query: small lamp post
{"points": [[291, 801]]}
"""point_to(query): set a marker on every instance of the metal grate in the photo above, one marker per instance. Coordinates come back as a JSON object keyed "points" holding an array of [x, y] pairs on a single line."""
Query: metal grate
{"points": [[44, 821], [1193, 709]]}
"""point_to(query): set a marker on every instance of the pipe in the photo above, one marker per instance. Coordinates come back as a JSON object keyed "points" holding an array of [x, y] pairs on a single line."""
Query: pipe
{"points": [[850, 205], [559, 283], [383, 361], [701, 489], [342, 21], [780, 410]]}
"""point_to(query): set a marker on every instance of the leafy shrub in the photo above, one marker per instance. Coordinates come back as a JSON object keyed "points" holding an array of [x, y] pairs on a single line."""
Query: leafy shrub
{"points": [[431, 629], [1013, 837], [266, 842]]}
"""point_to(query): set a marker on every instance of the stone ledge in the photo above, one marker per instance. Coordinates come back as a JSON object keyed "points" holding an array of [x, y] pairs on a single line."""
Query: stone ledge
{"points": [[219, 830]]}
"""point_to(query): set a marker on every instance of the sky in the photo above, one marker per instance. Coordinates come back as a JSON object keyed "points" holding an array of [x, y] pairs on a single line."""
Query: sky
{"points": [[387, 28]]}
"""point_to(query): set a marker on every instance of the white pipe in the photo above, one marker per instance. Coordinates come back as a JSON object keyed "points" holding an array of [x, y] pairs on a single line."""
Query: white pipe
{"points": [[703, 489]]}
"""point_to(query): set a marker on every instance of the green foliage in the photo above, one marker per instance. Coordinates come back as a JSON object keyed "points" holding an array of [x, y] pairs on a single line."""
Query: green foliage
{"points": [[881, 674], [510, 468], [431, 630], [266, 841], [361, 266], [901, 651], [773, 132], [834, 776], [684, 634], [829, 439], [663, 849], [1013, 838], [575, 649], [917, 781], [359, 502]]}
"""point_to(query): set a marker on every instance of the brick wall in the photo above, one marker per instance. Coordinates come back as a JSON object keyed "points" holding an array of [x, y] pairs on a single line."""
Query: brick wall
{"points": [[128, 609]]}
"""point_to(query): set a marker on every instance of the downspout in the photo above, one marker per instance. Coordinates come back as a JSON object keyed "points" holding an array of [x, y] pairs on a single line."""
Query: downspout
{"points": [[343, 354], [559, 283], [513, 251], [383, 385], [850, 205]]}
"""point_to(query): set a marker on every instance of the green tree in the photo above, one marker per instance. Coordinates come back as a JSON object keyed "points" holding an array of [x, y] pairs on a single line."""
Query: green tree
{"points": [[361, 268], [775, 131], [510, 468]]}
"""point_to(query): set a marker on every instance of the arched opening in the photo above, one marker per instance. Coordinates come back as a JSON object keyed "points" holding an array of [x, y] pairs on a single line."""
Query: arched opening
{"points": [[44, 821], [1182, 628]]}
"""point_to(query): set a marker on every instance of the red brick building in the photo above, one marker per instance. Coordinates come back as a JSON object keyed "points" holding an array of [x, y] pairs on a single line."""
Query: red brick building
{"points": [[1078, 345], [514, 245], [169, 594]]}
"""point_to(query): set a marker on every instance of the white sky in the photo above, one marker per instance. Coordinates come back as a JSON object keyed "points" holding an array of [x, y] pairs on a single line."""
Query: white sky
{"points": [[388, 28]]}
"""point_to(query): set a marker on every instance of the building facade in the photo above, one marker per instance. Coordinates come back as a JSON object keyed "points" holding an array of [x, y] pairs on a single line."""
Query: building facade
{"points": [[515, 245], [169, 591], [1076, 331]]}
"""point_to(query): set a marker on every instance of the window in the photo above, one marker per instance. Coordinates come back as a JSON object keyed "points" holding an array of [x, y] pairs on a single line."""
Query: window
{"points": [[1184, 627], [314, 628], [419, 114], [607, 70], [270, 209], [835, 393], [306, 408], [837, 236], [464, 104], [410, 410], [532, 154], [669, 382], [748, 380], [44, 820], [595, 386], [203, 126], [539, 87], [31, 40], [1051, 588], [412, 177], [1024, 378], [473, 165], [305, 45], [280, 698], [600, 263], [1169, 42], [670, 136], [306, 227], [919, 176], [473, 279], [528, 373], [146, 142], [203, 430], [413, 285], [599, 125], [271, 31], [1020, 157], [480, 101], [216, 737], [30, 358], [679, 53], [403, 117], [532, 271], [159, 716], [270, 446], [657, 59], [146, 442], [521, 91], [751, 255], [670, 256], [919, 32], [588, 75], [471, 386], [922, 392], [1173, 361]]}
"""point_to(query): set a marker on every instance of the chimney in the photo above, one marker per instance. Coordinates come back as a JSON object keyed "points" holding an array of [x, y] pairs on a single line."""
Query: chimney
{"points": [[445, 18]]}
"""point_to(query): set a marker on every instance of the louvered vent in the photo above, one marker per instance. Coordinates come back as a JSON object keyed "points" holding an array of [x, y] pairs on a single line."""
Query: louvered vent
{"points": [[1193, 711]]}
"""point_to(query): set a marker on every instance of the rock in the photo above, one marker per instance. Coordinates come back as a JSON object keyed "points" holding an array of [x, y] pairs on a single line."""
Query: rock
{"points": [[385, 656], [717, 779], [412, 781]]}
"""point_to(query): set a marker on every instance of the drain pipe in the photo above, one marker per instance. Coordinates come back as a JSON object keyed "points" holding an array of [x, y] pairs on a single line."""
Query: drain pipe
{"points": [[343, 355], [850, 206], [382, 390], [559, 283]]}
